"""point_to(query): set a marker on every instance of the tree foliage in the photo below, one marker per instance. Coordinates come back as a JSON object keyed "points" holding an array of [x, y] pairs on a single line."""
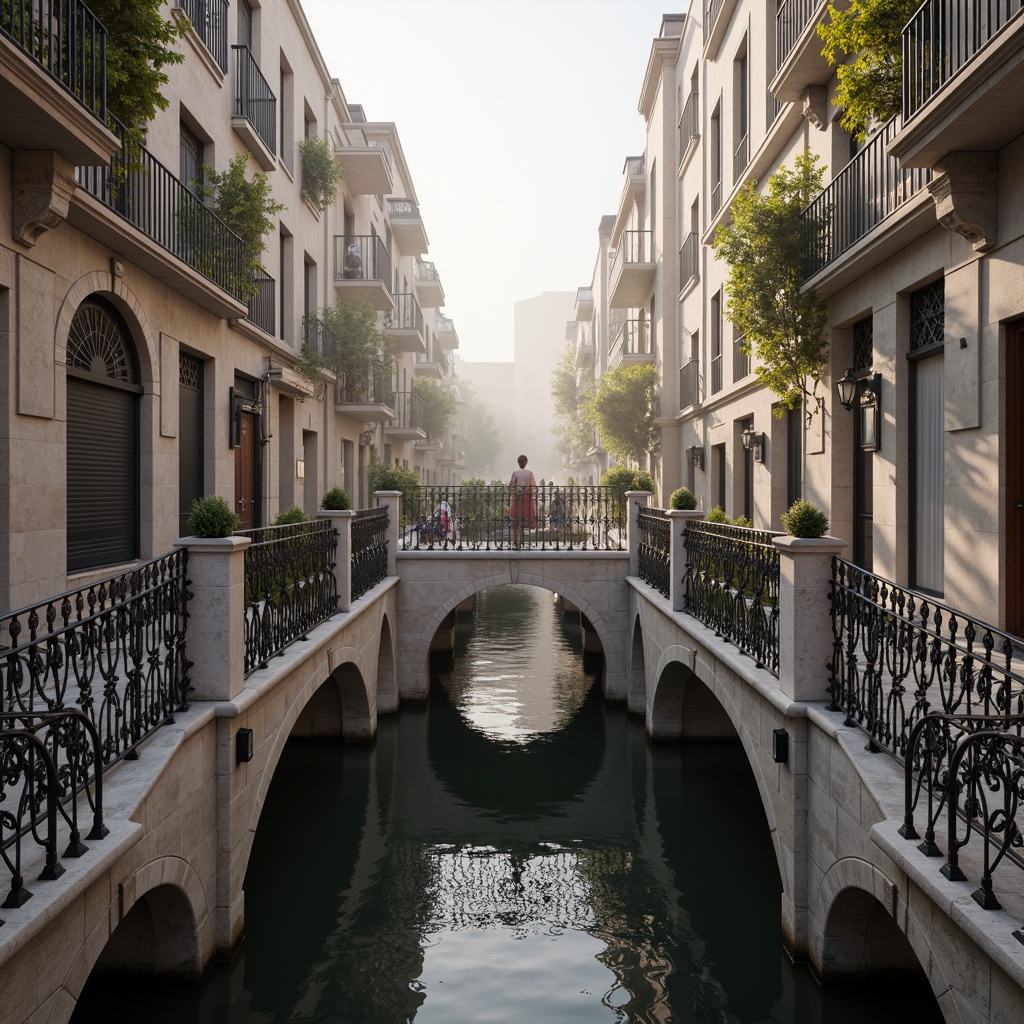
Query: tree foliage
{"points": [[246, 205], [870, 86], [477, 439], [362, 353], [321, 174], [623, 408], [574, 428], [139, 45], [438, 406], [784, 326]]}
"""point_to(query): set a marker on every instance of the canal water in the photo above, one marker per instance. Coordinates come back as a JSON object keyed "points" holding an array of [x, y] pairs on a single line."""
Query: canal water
{"points": [[513, 851]]}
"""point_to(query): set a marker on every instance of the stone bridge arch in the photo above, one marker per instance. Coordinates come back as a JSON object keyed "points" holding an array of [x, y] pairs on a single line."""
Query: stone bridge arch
{"points": [[431, 588]]}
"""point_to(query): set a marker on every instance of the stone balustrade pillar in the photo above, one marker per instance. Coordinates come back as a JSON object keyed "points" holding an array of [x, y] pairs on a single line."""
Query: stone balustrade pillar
{"points": [[677, 555], [392, 499], [341, 520], [215, 635], [635, 500], [805, 614]]}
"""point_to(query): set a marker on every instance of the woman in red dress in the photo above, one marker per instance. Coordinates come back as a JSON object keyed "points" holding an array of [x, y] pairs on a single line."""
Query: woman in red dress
{"points": [[522, 507]]}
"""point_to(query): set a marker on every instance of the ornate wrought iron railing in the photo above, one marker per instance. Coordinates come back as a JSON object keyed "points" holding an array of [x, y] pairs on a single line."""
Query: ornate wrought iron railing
{"points": [[480, 518], [114, 649], [261, 302], [732, 585], [653, 549], [254, 99], [969, 769], [290, 586], [941, 37], [209, 19], [866, 191], [137, 187], [369, 549], [67, 41]]}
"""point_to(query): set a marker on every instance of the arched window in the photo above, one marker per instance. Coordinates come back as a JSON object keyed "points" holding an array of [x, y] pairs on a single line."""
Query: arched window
{"points": [[102, 440]]}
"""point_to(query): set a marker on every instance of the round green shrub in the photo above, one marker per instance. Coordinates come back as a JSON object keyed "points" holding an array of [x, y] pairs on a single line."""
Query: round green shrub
{"points": [[291, 515], [717, 515], [805, 519], [212, 517], [683, 498], [742, 521], [336, 499]]}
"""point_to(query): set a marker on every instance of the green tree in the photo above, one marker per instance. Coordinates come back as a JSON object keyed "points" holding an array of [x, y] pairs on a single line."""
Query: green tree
{"points": [[870, 88], [362, 354], [139, 45], [321, 173], [623, 407], [477, 437], [783, 325], [247, 207], [574, 427], [438, 406]]}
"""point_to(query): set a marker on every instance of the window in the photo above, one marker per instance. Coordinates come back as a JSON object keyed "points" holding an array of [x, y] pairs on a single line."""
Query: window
{"points": [[715, 158], [654, 206], [741, 117], [190, 160], [715, 326]]}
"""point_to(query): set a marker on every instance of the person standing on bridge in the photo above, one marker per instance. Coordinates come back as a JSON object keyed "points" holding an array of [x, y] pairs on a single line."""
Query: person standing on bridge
{"points": [[522, 506]]}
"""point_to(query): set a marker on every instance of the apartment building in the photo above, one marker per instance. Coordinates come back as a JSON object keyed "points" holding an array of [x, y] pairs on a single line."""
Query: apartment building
{"points": [[139, 373], [914, 243]]}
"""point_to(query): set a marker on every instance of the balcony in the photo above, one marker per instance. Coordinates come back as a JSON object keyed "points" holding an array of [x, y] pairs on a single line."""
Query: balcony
{"points": [[428, 284], [367, 165], [404, 325], [366, 396], [716, 374], [717, 15], [689, 129], [254, 113], [584, 359], [584, 304], [871, 188], [798, 48], [632, 344], [261, 302], [209, 21], [632, 270], [362, 271], [740, 359], [689, 263], [319, 337], [689, 384], [445, 334], [407, 226], [434, 365], [740, 159], [632, 191], [963, 76], [141, 211], [53, 83], [407, 423]]}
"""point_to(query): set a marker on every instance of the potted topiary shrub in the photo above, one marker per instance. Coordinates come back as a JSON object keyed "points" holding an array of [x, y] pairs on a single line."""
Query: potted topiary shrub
{"points": [[335, 500], [805, 519], [684, 499], [212, 517]]}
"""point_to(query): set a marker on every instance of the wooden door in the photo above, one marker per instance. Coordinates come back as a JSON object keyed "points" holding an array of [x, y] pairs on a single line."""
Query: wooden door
{"points": [[245, 492], [1015, 479]]}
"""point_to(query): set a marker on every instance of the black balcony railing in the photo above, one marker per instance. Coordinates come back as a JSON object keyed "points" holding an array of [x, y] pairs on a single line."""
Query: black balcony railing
{"points": [[406, 316], [209, 20], [409, 411], [689, 384], [740, 158], [715, 203], [487, 518], [773, 107], [791, 18], [732, 585], [653, 549], [941, 37], [689, 123], [261, 302], [740, 359], [137, 187], [689, 260], [362, 258], [712, 9], [67, 41], [866, 191], [290, 586], [368, 387], [319, 337], [636, 247], [633, 338], [716, 374], [369, 549], [254, 99]]}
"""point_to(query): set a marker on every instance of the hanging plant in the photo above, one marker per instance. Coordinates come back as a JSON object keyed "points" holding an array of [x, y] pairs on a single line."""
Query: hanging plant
{"points": [[321, 174]]}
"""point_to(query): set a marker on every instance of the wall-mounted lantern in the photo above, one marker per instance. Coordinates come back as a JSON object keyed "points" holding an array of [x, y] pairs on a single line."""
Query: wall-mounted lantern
{"points": [[697, 457], [753, 441], [864, 394]]}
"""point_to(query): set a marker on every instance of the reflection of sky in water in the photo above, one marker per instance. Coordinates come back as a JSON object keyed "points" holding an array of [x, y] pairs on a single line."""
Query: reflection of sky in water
{"points": [[517, 674]]}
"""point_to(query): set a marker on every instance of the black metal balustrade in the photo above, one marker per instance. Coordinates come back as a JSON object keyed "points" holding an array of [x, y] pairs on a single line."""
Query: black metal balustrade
{"points": [[941, 38], [731, 584], [209, 20], [740, 359], [689, 123], [261, 301], [362, 258], [369, 549], [372, 387], [716, 374], [773, 107], [689, 383], [290, 586], [479, 518], [689, 259], [407, 315], [653, 549], [409, 411], [318, 336], [636, 247], [67, 41], [866, 191], [740, 158], [254, 99], [137, 187], [712, 8], [791, 18], [633, 338]]}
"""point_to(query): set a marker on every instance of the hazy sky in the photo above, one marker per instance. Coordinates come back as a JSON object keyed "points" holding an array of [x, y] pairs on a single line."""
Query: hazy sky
{"points": [[515, 120]]}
